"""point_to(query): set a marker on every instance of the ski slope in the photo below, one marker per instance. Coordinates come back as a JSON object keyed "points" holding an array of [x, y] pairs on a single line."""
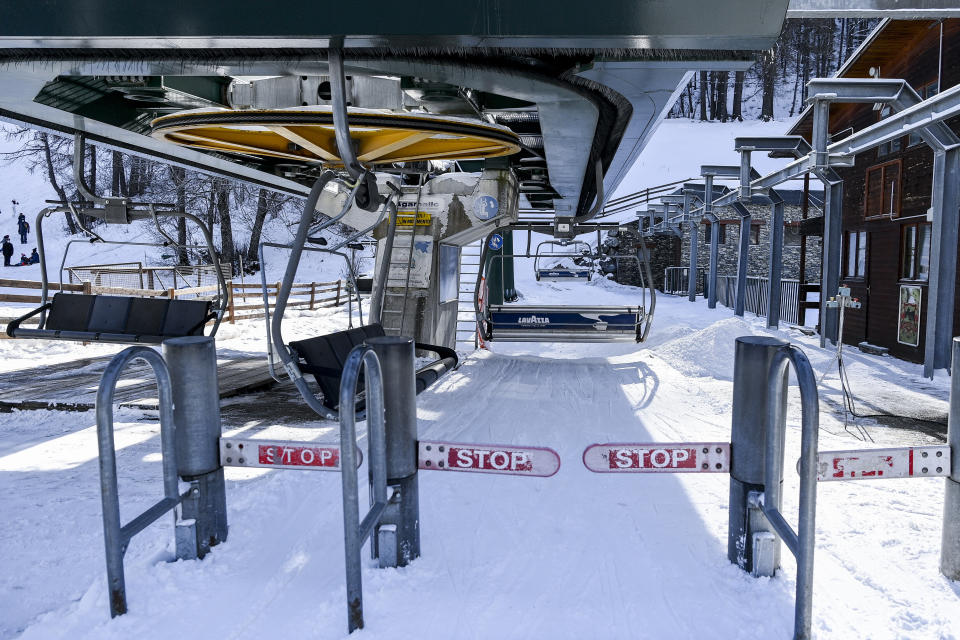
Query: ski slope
{"points": [[576, 555]]}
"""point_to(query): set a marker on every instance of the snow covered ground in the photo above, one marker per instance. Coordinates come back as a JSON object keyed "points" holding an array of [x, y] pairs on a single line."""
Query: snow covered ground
{"points": [[577, 555]]}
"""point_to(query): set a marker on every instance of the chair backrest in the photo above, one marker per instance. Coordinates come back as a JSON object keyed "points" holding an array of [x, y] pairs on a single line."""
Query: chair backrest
{"points": [[325, 357]]}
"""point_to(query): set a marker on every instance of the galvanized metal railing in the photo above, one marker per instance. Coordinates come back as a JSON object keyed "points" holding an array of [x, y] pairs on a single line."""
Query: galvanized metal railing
{"points": [[758, 296], [676, 281], [801, 543], [354, 534], [116, 537]]}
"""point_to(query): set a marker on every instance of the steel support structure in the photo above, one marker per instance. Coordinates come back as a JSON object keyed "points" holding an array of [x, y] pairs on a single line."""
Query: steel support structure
{"points": [[776, 261], [911, 115], [694, 222], [397, 539], [950, 543], [943, 261], [192, 361], [743, 258], [775, 271], [704, 193], [714, 241]]}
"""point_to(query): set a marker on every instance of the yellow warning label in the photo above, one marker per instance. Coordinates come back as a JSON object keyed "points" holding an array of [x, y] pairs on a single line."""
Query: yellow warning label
{"points": [[406, 219]]}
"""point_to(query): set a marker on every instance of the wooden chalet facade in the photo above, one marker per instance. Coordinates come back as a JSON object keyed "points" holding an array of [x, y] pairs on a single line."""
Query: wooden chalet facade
{"points": [[886, 194]]}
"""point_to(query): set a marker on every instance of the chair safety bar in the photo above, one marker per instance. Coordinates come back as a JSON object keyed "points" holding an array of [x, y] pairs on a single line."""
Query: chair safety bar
{"points": [[356, 531], [116, 537], [801, 544]]}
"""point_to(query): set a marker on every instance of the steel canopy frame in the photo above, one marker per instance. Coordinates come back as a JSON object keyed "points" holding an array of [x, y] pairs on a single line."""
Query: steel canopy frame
{"points": [[912, 115]]}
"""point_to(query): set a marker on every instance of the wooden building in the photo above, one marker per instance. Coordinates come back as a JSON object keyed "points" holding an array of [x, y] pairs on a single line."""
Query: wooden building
{"points": [[887, 193]]}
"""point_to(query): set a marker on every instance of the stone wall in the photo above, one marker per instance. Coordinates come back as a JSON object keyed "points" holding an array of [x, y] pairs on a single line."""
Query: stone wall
{"points": [[759, 264], [663, 252]]}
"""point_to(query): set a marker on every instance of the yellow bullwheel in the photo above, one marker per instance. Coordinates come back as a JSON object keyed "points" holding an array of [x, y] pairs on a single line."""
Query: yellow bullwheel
{"points": [[305, 135]]}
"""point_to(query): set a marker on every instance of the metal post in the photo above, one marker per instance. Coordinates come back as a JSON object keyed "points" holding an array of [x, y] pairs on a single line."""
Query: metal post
{"points": [[509, 284], [714, 240], [714, 259], [950, 545], [830, 269], [832, 221], [396, 356], [751, 366], [776, 264], [192, 361], [943, 263], [746, 193], [743, 259], [694, 242]]}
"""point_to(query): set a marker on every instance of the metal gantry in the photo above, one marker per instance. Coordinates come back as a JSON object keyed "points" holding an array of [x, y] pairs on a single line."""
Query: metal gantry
{"points": [[911, 114]]}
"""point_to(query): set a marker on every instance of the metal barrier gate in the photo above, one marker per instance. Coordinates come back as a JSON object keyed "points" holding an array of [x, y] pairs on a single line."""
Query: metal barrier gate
{"points": [[116, 537], [753, 458]]}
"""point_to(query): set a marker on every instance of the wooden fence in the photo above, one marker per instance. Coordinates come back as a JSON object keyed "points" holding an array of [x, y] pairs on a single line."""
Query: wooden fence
{"points": [[308, 295], [303, 295]]}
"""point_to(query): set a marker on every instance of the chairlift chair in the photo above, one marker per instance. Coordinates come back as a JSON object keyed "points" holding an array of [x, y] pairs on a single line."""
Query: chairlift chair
{"points": [[116, 318], [563, 273], [566, 323]]}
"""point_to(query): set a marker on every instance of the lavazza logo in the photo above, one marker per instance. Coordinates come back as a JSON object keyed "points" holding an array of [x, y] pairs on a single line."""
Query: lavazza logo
{"points": [[534, 320]]}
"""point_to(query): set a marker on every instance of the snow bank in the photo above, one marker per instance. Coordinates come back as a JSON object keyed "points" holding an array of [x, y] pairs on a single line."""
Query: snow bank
{"points": [[708, 352]]}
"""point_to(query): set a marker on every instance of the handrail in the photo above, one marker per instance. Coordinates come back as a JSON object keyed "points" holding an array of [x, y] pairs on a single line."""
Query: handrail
{"points": [[355, 531], [115, 536], [801, 543], [296, 249]]}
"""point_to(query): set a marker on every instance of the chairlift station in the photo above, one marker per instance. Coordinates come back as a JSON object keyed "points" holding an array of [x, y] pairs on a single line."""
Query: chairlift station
{"points": [[430, 131]]}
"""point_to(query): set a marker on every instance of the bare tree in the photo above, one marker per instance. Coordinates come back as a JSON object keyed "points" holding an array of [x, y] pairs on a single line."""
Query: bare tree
{"points": [[226, 226], [723, 79], [738, 95], [703, 95]]}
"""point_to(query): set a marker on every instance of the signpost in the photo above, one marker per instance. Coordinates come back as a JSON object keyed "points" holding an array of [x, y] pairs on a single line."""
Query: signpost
{"points": [[658, 457], [485, 458], [873, 464], [278, 454]]}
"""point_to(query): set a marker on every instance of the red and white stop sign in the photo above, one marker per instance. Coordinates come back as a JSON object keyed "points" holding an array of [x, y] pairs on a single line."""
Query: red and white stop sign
{"points": [[487, 458], [658, 457], [278, 454], [900, 462]]}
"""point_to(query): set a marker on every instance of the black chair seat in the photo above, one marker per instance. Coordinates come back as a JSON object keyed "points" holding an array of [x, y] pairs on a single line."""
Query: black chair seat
{"points": [[324, 357]]}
